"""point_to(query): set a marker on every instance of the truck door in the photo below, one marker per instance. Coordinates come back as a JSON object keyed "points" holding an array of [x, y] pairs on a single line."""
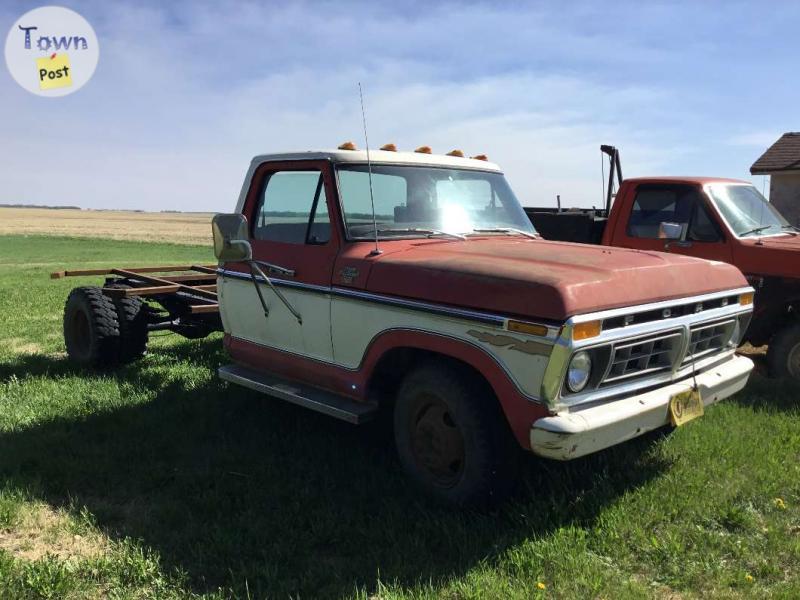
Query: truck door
{"points": [[683, 204], [288, 208]]}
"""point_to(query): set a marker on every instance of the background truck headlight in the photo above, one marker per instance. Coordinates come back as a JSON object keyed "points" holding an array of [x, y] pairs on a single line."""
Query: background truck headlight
{"points": [[580, 367]]}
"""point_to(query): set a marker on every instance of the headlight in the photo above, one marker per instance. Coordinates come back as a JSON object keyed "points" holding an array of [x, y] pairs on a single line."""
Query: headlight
{"points": [[580, 367]]}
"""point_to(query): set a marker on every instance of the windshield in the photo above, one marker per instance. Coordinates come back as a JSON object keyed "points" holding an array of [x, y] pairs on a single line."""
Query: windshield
{"points": [[746, 211], [414, 201]]}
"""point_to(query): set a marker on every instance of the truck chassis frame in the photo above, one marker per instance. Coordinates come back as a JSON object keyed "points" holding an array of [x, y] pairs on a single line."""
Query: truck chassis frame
{"points": [[185, 294]]}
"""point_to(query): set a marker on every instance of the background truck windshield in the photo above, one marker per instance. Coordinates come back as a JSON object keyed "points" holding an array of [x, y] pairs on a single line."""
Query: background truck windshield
{"points": [[428, 199], [746, 211]]}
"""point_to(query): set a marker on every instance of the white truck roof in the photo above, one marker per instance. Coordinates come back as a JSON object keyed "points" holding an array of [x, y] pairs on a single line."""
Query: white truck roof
{"points": [[381, 157], [377, 157]]}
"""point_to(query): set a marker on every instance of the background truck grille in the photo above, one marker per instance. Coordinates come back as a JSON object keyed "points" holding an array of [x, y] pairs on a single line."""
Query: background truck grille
{"points": [[643, 356], [708, 338]]}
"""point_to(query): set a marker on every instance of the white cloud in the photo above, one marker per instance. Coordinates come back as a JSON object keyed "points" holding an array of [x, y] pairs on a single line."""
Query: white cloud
{"points": [[183, 97]]}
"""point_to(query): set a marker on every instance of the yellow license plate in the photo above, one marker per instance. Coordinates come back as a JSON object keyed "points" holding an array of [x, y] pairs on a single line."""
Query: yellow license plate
{"points": [[685, 406]]}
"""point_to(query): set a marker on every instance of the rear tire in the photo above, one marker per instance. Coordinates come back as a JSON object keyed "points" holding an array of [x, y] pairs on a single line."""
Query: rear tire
{"points": [[91, 328], [133, 335], [783, 353], [452, 437]]}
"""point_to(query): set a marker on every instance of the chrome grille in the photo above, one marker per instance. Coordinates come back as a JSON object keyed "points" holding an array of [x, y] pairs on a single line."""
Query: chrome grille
{"points": [[708, 338], [643, 356]]}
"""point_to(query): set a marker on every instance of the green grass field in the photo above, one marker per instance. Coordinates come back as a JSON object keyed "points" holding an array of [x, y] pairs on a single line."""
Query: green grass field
{"points": [[160, 481]]}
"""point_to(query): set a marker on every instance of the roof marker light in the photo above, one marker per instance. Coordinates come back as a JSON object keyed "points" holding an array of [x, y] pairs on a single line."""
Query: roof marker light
{"points": [[480, 157], [423, 150], [347, 146], [389, 148], [457, 153]]}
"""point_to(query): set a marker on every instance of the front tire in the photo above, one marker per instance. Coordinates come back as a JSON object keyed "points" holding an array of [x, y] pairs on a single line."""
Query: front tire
{"points": [[452, 438], [783, 353]]}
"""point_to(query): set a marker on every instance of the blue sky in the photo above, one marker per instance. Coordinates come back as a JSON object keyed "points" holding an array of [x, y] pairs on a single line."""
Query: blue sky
{"points": [[185, 93]]}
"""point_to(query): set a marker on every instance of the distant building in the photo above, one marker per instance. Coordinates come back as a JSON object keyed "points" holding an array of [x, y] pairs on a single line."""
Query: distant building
{"points": [[781, 162]]}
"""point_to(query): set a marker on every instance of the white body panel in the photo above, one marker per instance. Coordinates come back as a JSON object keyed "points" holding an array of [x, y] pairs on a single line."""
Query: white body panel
{"points": [[355, 324], [339, 330], [243, 317]]}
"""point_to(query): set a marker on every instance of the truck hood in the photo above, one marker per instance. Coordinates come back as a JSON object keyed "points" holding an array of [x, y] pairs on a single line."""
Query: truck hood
{"points": [[542, 279], [774, 255]]}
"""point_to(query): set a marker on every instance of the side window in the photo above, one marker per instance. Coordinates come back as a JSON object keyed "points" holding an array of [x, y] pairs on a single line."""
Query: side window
{"points": [[702, 228], [292, 209], [656, 205]]}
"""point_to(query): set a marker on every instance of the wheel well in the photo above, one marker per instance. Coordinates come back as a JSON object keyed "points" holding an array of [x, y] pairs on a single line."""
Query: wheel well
{"points": [[393, 365]]}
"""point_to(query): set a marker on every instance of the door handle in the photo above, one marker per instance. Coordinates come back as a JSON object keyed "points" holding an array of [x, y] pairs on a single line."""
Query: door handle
{"points": [[678, 243]]}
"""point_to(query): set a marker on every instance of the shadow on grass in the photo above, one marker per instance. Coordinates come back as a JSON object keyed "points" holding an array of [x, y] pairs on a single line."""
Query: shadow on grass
{"points": [[766, 394], [240, 491]]}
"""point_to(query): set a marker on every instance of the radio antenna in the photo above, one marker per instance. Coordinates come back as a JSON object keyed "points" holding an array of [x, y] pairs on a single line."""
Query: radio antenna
{"points": [[369, 171]]}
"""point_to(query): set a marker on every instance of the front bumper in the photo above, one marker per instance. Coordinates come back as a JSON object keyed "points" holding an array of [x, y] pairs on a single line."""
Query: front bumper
{"points": [[570, 435]]}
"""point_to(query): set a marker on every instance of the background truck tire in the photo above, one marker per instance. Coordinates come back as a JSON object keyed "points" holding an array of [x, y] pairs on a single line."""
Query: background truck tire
{"points": [[132, 317], [783, 353], [452, 437], [91, 328]]}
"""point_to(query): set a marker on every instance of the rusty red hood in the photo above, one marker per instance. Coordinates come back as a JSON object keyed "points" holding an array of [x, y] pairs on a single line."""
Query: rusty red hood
{"points": [[542, 279], [772, 255]]}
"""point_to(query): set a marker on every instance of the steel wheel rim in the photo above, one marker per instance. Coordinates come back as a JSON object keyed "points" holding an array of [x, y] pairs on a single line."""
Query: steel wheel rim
{"points": [[436, 441]]}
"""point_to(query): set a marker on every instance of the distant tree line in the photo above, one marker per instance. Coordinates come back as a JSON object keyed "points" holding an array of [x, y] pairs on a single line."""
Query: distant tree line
{"points": [[39, 206]]}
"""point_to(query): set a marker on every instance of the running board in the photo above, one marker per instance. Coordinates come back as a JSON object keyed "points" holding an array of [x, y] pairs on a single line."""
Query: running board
{"points": [[300, 394]]}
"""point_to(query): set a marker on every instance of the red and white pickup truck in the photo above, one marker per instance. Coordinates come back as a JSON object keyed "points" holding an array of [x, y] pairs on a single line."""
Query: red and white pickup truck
{"points": [[479, 335]]}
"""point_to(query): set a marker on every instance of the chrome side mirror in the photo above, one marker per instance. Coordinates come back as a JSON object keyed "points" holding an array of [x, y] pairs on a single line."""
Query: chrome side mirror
{"points": [[230, 238], [670, 231]]}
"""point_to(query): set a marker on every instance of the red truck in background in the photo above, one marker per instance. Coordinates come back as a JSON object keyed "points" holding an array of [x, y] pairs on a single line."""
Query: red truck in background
{"points": [[707, 217]]}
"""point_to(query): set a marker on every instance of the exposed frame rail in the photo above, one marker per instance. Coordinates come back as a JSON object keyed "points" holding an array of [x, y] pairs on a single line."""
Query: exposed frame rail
{"points": [[193, 283]]}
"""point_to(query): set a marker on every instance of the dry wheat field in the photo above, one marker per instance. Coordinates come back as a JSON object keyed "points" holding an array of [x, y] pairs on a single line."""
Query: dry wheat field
{"points": [[177, 228]]}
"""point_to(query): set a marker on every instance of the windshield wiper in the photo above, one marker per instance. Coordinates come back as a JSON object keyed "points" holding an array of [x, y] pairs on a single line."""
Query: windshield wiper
{"points": [[787, 226], [426, 232], [534, 236], [756, 230]]}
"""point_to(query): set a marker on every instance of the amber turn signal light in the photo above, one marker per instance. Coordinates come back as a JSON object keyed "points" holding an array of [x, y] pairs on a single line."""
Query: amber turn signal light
{"points": [[746, 299], [529, 328], [584, 331]]}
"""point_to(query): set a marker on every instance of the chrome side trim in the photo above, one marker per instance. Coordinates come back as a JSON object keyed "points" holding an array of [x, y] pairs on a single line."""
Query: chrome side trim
{"points": [[279, 282], [460, 313]]}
